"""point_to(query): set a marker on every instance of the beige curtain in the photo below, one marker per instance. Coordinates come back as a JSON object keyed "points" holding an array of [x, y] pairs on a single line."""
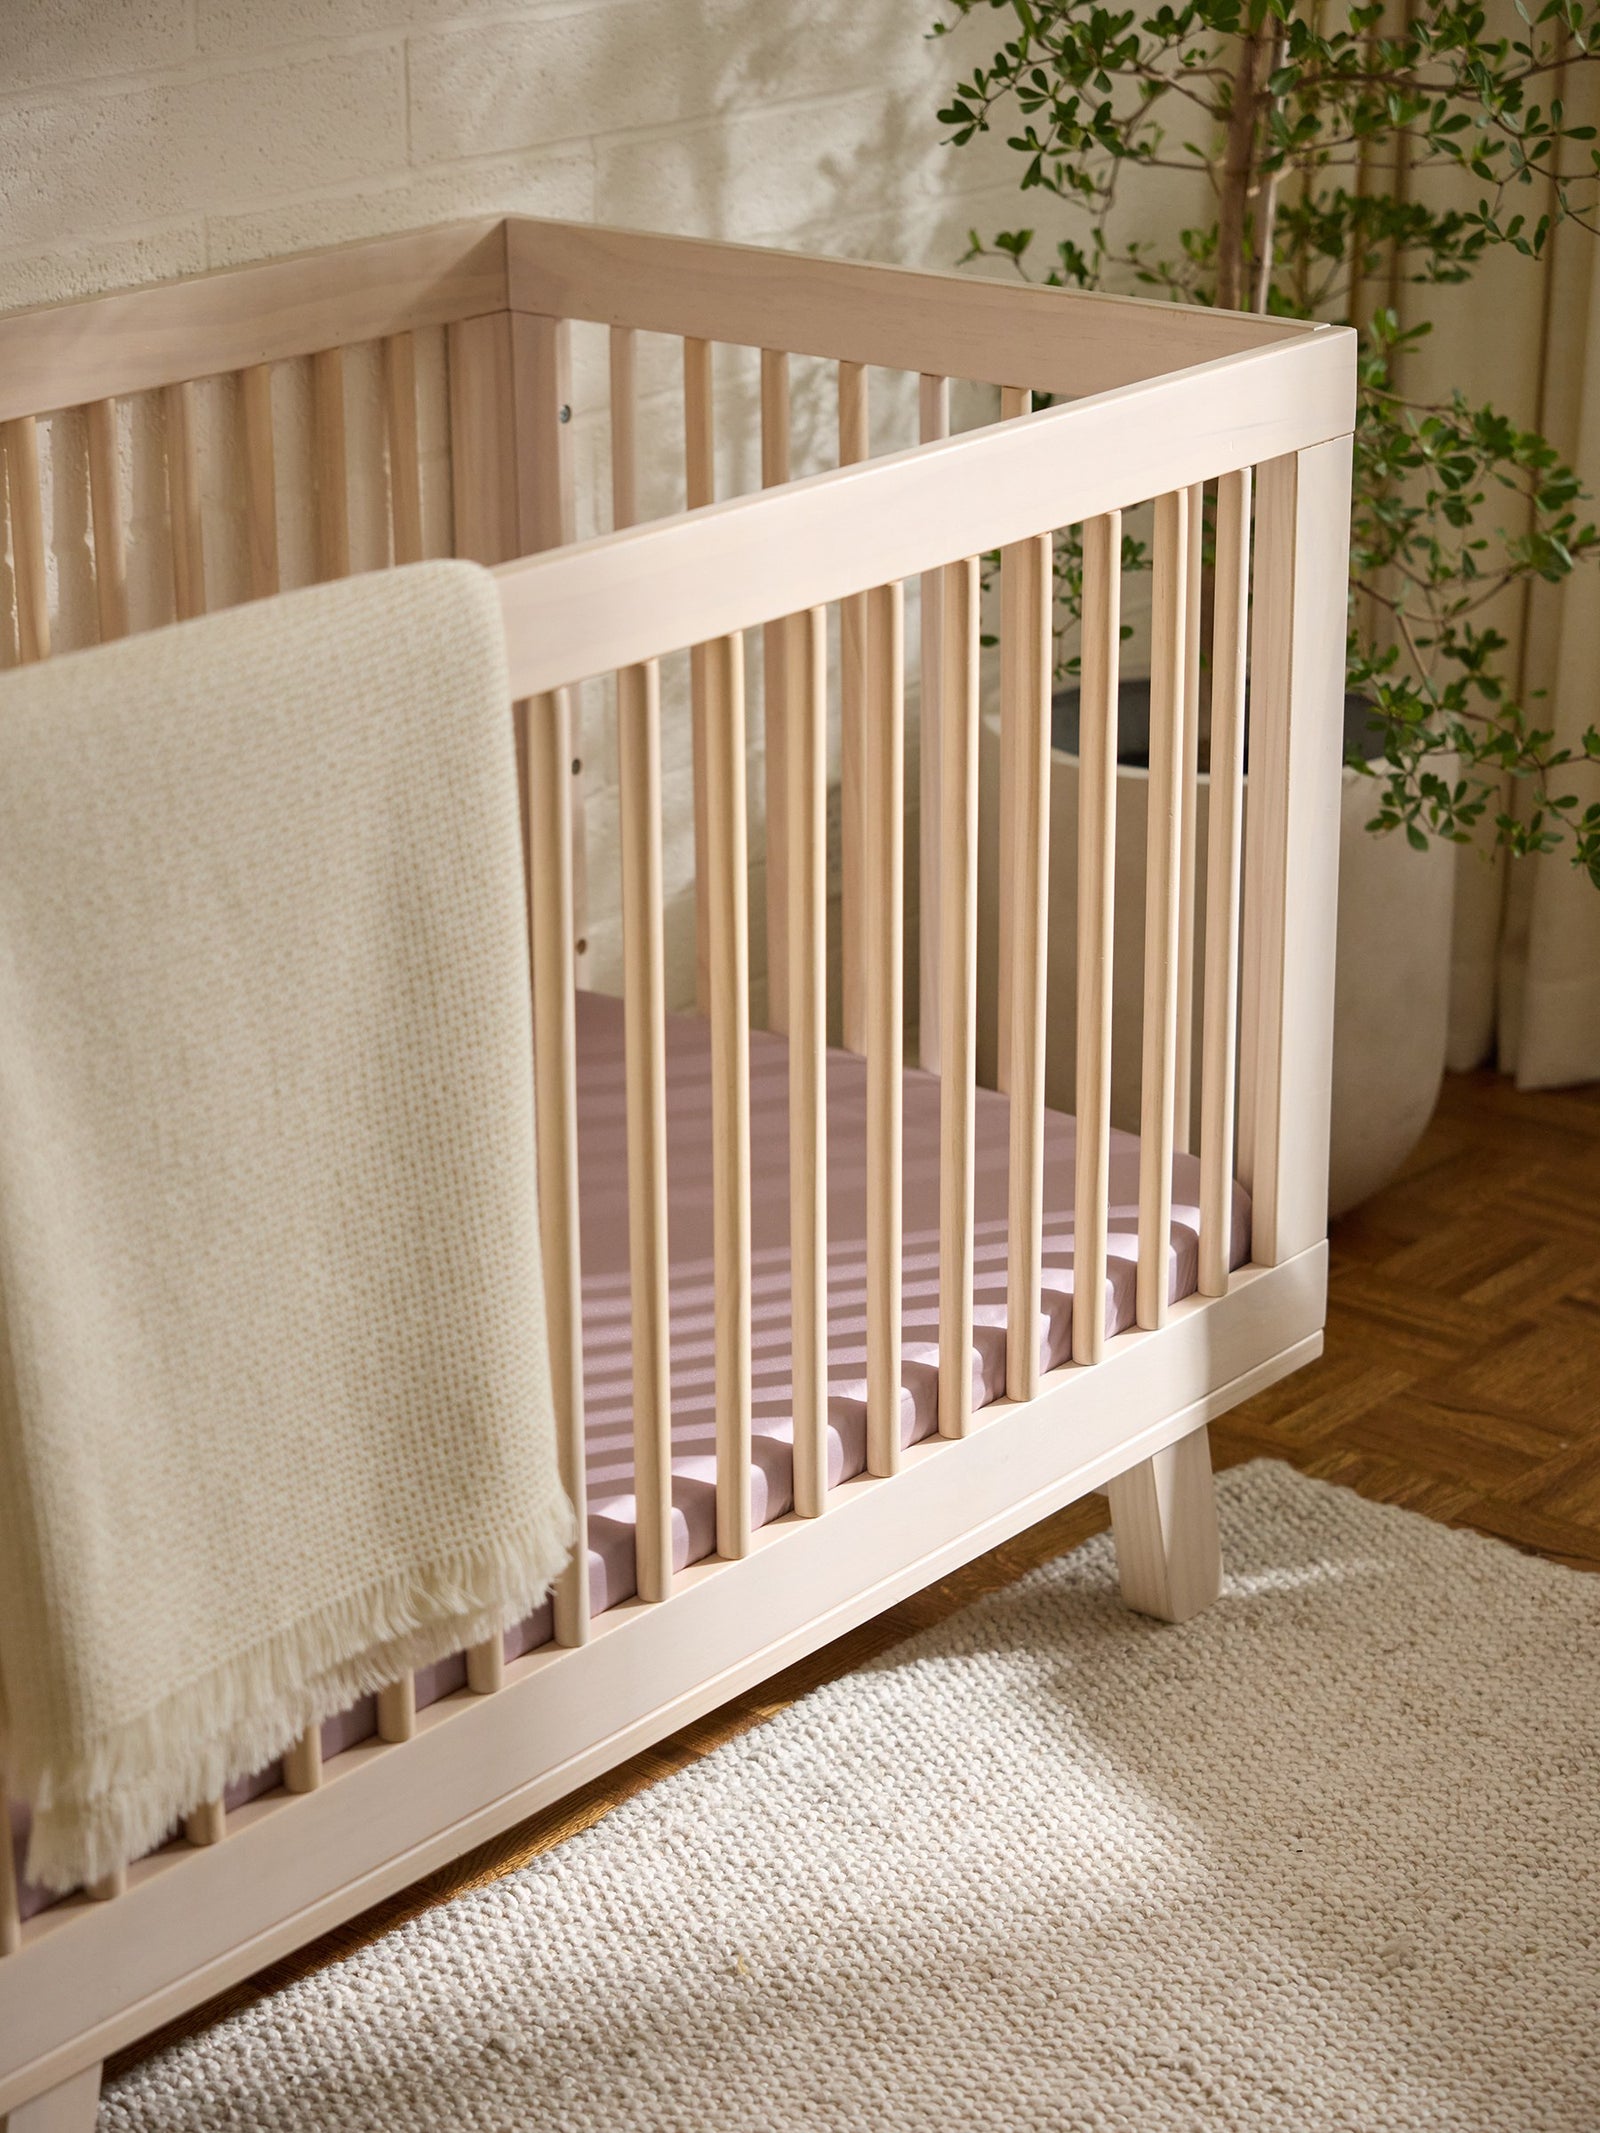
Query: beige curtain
{"points": [[1526, 965]]}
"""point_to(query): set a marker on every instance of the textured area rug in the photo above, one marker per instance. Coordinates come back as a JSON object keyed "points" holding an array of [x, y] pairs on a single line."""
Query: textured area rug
{"points": [[1328, 1856]]}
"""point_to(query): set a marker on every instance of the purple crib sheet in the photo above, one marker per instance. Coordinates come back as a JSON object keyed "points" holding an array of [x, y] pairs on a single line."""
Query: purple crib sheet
{"points": [[607, 1314]]}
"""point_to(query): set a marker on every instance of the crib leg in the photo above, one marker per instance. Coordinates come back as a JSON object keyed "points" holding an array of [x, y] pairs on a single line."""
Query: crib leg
{"points": [[1164, 1518], [71, 2107]]}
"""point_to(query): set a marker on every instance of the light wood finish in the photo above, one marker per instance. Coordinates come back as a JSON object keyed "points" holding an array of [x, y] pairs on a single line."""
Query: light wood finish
{"points": [[109, 1887], [1302, 520], [207, 1823], [10, 1916], [883, 1019], [302, 1762], [700, 487], [261, 480], [397, 1709], [106, 510], [1164, 1517], [933, 422], [1224, 828], [779, 653], [639, 594], [72, 2107], [727, 870], [644, 1005], [333, 489], [405, 458], [958, 985], [27, 539], [104, 347], [854, 446], [623, 358], [903, 320], [1014, 401], [486, 476], [183, 503], [1189, 755], [1097, 843], [806, 903], [195, 1922], [1026, 625], [486, 1666], [1163, 834], [555, 1081]]}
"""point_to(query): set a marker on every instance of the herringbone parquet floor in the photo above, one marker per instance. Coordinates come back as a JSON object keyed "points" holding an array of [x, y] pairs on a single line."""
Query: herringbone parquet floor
{"points": [[1461, 1377]]}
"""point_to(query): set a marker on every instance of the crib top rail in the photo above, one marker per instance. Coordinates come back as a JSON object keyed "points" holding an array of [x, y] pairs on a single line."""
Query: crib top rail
{"points": [[1067, 343], [646, 591]]}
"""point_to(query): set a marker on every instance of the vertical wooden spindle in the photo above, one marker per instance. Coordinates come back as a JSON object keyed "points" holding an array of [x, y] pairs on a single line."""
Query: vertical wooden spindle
{"points": [[700, 487], [109, 1887], [1220, 1005], [624, 428], [728, 879], [958, 985], [260, 479], [853, 448], [933, 413], [1015, 400], [1164, 834], [883, 883], [1097, 839], [555, 1082], [10, 1908], [1025, 710], [206, 1824], [805, 840], [333, 495], [780, 651], [183, 503], [644, 1017], [105, 506], [397, 1708], [27, 538], [1183, 1082], [302, 1763], [405, 459]]}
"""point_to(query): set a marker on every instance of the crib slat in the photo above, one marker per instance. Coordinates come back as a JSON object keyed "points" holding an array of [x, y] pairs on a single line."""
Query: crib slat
{"points": [[486, 1666], [1014, 400], [206, 1824], [727, 885], [958, 986], [109, 1887], [1183, 1082], [27, 539], [397, 1709], [644, 1011], [884, 886], [1097, 840], [624, 428], [805, 793], [10, 1909], [405, 459], [853, 448], [183, 503], [1224, 837], [260, 479], [105, 505], [302, 1763], [1025, 710], [933, 421], [700, 487], [779, 653], [555, 1083], [1164, 834], [333, 496]]}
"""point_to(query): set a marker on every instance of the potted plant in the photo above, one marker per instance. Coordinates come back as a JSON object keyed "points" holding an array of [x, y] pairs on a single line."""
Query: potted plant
{"points": [[1294, 136]]}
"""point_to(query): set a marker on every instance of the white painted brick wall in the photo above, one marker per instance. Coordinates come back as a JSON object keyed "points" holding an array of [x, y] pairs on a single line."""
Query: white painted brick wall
{"points": [[146, 138]]}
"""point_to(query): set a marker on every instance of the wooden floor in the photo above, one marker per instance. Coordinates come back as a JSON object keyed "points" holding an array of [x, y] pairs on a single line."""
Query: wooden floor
{"points": [[1461, 1378]]}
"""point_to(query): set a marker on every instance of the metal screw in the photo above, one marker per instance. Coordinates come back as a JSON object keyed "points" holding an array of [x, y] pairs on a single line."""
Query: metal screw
{"points": [[577, 766], [582, 946], [565, 415]]}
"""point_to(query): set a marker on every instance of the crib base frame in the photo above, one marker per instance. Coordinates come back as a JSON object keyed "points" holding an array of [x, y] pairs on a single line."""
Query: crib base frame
{"points": [[93, 1978]]}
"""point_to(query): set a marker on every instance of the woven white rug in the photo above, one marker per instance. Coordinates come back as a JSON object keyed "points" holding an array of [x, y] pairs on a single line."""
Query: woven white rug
{"points": [[1329, 1856]]}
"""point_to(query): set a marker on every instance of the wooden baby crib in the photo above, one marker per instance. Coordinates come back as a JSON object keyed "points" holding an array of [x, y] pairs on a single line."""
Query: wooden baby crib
{"points": [[1151, 403]]}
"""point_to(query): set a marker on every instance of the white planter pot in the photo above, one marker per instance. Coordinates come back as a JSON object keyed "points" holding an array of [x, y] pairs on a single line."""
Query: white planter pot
{"points": [[1391, 987]]}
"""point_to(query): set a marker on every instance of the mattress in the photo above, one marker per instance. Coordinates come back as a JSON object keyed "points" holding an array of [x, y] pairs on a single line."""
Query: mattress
{"points": [[607, 1314]]}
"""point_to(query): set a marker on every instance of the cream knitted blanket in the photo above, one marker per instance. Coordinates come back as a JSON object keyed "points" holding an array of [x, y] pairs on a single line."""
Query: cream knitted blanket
{"points": [[275, 1416]]}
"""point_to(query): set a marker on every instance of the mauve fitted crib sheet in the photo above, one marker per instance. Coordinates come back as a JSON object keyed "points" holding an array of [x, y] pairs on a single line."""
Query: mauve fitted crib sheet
{"points": [[607, 1327]]}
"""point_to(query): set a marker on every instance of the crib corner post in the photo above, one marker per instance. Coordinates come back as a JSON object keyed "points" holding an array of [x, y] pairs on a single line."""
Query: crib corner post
{"points": [[1164, 1521], [72, 2106]]}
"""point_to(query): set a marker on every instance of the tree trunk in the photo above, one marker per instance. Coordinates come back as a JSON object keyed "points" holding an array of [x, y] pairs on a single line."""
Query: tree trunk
{"points": [[1238, 175]]}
